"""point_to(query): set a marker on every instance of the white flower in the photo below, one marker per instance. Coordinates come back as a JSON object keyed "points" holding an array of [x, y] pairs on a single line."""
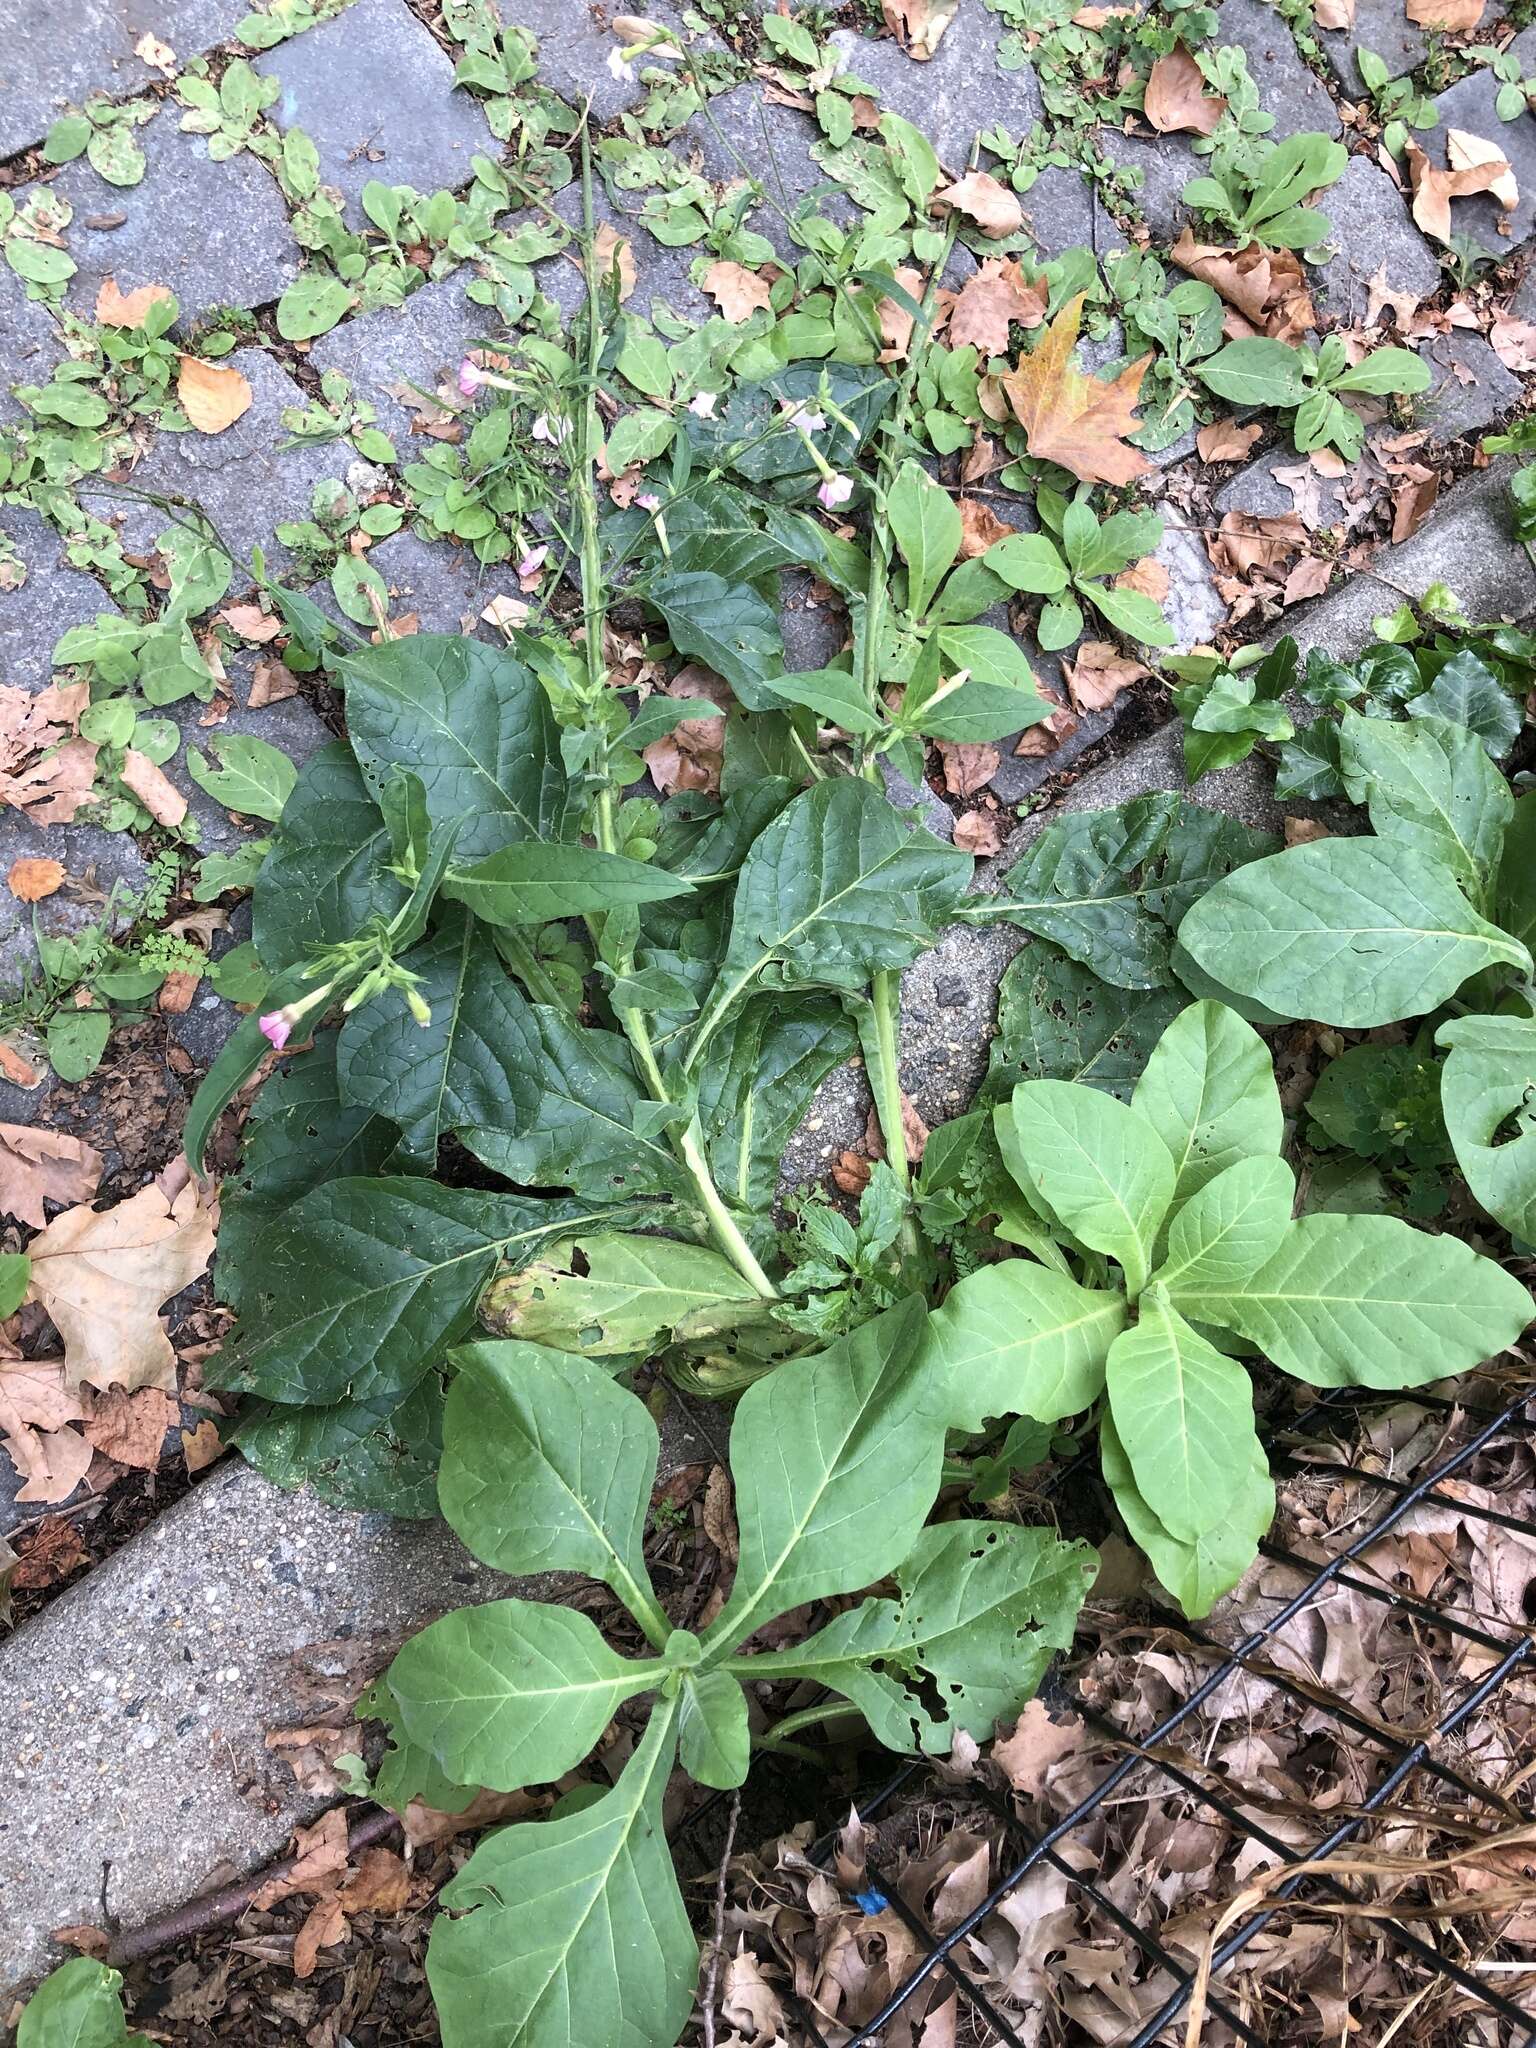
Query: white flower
{"points": [[702, 404], [552, 431], [617, 68], [835, 491]]}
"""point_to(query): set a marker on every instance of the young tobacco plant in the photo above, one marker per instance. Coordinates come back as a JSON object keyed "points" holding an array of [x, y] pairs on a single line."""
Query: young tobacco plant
{"points": [[1308, 383], [78, 2006], [1267, 203], [574, 1928], [1161, 1251], [1362, 932]]}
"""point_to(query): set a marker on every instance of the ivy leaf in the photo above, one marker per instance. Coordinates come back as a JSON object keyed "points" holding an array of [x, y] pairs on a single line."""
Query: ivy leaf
{"points": [[477, 1055], [1097, 1165], [325, 876], [926, 527], [1197, 1573], [253, 777], [607, 1293], [532, 883], [729, 626], [1368, 1301], [1019, 1339], [548, 1465], [364, 1285], [1430, 787], [1229, 1226], [1467, 692], [534, 1920], [981, 1609], [1353, 932], [714, 1735], [1487, 1088], [512, 1693], [1184, 1413], [473, 723], [835, 888], [846, 1507], [1209, 1092], [1107, 886]]}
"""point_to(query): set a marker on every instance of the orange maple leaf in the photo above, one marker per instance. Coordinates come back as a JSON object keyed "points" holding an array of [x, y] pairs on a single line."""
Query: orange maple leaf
{"points": [[1071, 419]]}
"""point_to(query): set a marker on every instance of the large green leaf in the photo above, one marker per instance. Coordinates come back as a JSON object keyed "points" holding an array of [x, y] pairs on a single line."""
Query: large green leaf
{"points": [[474, 1062], [1255, 372], [1109, 886], [362, 1285], [299, 1133], [714, 1736], [325, 875], [835, 888], [727, 625], [548, 1466], [1515, 897], [378, 1455], [473, 723], [1230, 1226], [1058, 1021], [1369, 1301], [79, 2006], [531, 883], [1184, 1413], [1431, 788], [512, 1693], [836, 1460], [571, 1933], [1488, 1085], [1354, 932], [1197, 1573], [1209, 1092], [756, 1082], [580, 1131], [981, 1608], [606, 1293], [925, 525], [1018, 1339], [1098, 1166]]}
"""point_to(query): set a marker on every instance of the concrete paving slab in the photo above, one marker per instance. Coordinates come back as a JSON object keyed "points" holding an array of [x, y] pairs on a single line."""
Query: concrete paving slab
{"points": [[576, 45], [959, 91], [1469, 105], [33, 344], [216, 233], [416, 345], [52, 598], [1381, 26], [1372, 230]]}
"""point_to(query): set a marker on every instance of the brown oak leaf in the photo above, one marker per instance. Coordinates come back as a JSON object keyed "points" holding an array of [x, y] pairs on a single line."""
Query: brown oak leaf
{"points": [[737, 291], [38, 1166]]}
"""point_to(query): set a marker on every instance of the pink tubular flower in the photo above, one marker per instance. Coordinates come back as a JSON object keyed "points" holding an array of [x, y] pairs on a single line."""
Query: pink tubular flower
{"points": [[648, 501], [835, 491], [702, 404], [533, 561], [552, 431], [471, 377], [275, 1028]]}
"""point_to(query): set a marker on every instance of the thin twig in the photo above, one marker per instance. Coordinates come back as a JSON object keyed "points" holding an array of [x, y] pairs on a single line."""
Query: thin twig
{"points": [[213, 1908], [712, 1974]]}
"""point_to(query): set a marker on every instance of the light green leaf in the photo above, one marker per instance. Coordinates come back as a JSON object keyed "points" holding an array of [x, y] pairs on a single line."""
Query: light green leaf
{"points": [[363, 1285], [1385, 370], [312, 305], [607, 1293], [1515, 897], [1230, 1226], [1028, 561], [990, 656], [925, 525], [836, 1460], [1098, 1166], [981, 711], [1184, 1413], [1353, 932], [1255, 372], [473, 723], [76, 1040], [252, 777], [66, 139], [530, 882], [756, 1083], [1488, 1086], [1430, 787], [512, 1693], [1369, 1301], [1198, 1573], [1130, 613], [639, 437], [714, 1736], [79, 2006], [548, 1466], [15, 1272], [832, 694], [1019, 1339], [981, 1609], [1209, 1092], [525, 1952]]}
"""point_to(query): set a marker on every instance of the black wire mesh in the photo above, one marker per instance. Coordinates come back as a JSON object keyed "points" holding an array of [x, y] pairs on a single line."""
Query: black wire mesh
{"points": [[1403, 1761]]}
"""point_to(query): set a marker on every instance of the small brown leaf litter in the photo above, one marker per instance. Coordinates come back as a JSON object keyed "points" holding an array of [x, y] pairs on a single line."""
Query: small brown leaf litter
{"points": [[31, 879], [983, 201], [212, 395], [115, 308], [737, 291], [38, 1166], [994, 298], [1178, 101]]}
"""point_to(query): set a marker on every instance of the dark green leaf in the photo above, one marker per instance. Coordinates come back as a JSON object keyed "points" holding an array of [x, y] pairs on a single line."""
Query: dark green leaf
{"points": [[729, 626], [325, 876]]}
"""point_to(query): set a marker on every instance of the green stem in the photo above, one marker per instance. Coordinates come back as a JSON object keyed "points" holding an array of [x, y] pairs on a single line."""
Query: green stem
{"points": [[518, 952], [808, 1717]]}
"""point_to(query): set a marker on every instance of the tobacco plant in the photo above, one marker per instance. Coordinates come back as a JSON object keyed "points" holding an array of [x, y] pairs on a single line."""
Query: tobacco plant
{"points": [[1160, 1250], [574, 1927]]}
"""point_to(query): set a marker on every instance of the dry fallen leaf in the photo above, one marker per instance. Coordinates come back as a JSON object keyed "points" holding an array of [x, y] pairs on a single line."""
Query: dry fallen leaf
{"points": [[103, 1276], [32, 878], [213, 395], [896, 323], [1047, 734], [380, 1884], [51, 790], [1036, 1746], [979, 833], [271, 683], [154, 790], [14, 1068], [1475, 166], [251, 622], [38, 1166], [979, 528], [157, 55], [1455, 16], [1226, 441], [1100, 674], [131, 1428], [324, 1928], [319, 1861], [691, 755], [1075, 420], [610, 248], [36, 1409], [918, 25], [1178, 101], [968, 766], [979, 196], [176, 993], [737, 291], [1310, 578], [1513, 341], [1266, 287], [991, 300], [1380, 296], [116, 308], [202, 1447], [1413, 500], [1334, 14], [914, 1132]]}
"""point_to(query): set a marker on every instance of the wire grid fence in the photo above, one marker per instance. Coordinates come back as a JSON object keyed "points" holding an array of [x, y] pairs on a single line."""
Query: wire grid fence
{"points": [[1401, 1761]]}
